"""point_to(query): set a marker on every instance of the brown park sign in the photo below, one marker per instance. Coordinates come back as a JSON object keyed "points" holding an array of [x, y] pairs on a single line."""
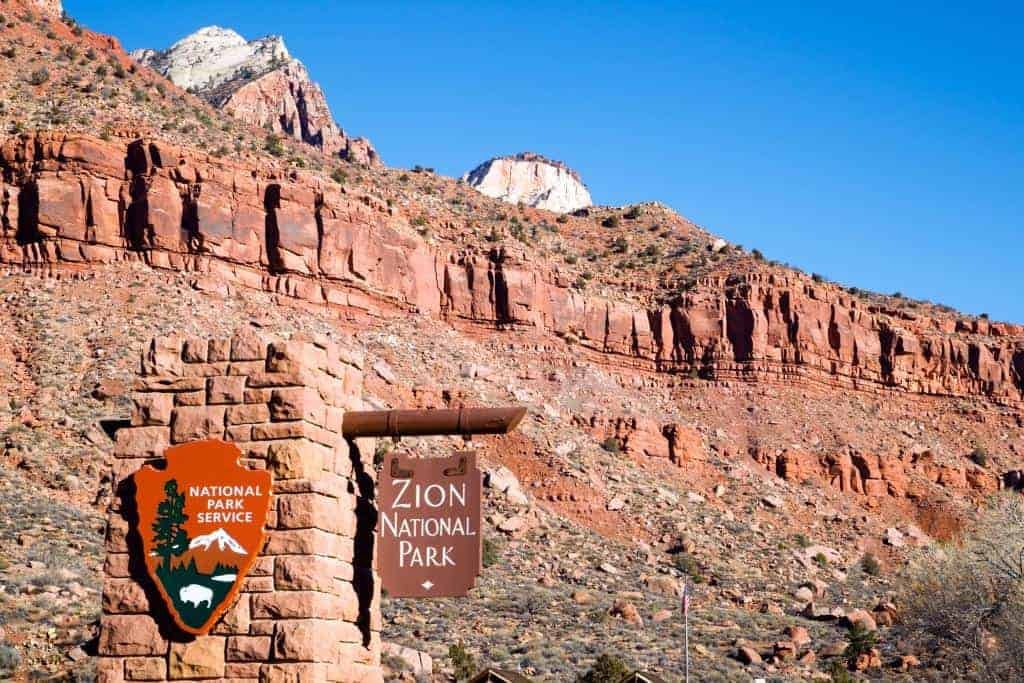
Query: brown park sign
{"points": [[429, 527], [200, 521]]}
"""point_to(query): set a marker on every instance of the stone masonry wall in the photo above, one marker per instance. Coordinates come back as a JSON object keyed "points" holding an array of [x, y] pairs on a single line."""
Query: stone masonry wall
{"points": [[310, 608]]}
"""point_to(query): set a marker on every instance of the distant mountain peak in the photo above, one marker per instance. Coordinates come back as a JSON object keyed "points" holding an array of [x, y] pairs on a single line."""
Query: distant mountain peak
{"points": [[258, 82], [531, 179], [223, 540]]}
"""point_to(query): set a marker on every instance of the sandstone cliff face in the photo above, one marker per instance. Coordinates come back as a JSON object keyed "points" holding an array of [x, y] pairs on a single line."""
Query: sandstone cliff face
{"points": [[530, 179], [77, 200], [259, 83]]}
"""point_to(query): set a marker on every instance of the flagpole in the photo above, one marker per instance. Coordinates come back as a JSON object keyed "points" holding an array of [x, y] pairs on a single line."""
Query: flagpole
{"points": [[686, 628]]}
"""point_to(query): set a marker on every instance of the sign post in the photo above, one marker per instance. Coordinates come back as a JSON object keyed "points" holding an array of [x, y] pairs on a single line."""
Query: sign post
{"points": [[429, 526]]}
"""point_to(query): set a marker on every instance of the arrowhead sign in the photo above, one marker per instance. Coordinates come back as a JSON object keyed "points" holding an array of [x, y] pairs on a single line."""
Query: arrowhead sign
{"points": [[429, 528], [201, 524]]}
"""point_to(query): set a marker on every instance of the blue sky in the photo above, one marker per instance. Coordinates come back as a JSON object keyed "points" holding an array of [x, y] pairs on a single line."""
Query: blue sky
{"points": [[879, 144]]}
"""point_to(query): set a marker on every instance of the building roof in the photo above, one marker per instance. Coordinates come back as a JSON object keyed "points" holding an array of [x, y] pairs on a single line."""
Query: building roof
{"points": [[499, 676], [643, 677]]}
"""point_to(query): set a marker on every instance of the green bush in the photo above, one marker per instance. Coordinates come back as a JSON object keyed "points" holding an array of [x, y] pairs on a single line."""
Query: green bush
{"points": [[870, 564], [462, 661], [9, 659], [273, 145], [859, 641], [979, 456], [611, 222], [491, 553], [607, 669], [612, 445]]}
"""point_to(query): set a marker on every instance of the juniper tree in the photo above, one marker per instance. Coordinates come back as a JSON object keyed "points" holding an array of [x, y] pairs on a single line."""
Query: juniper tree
{"points": [[169, 534]]}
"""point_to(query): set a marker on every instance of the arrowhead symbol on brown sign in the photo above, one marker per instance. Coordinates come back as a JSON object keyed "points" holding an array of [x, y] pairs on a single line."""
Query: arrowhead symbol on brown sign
{"points": [[201, 524]]}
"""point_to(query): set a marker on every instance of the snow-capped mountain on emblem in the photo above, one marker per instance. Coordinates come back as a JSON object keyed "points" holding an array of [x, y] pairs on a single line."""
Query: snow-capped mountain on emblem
{"points": [[221, 538]]}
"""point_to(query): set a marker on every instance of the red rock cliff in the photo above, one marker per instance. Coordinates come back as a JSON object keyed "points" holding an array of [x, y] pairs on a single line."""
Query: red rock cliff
{"points": [[79, 200]]}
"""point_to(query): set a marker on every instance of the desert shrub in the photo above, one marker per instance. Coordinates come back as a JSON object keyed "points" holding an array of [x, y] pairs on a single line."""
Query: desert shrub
{"points": [[633, 213], [607, 669], [817, 277], [339, 176], [273, 145], [979, 456], [9, 659], [611, 444], [859, 641], [965, 601], [611, 222], [491, 553], [839, 674], [686, 564], [802, 541], [39, 76], [821, 560], [870, 564], [462, 661]]}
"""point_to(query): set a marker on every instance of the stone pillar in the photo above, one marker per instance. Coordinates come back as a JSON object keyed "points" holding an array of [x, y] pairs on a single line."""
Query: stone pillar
{"points": [[309, 610]]}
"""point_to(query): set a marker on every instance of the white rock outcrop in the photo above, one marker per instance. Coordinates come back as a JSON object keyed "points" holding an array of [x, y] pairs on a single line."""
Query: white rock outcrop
{"points": [[212, 56], [531, 179], [258, 82]]}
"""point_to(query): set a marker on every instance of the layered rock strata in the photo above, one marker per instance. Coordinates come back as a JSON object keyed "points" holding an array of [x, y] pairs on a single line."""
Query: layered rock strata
{"points": [[80, 200]]}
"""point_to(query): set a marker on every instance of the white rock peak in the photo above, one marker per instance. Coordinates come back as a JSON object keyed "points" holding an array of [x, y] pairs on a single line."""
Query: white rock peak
{"points": [[223, 540], [212, 56], [532, 180]]}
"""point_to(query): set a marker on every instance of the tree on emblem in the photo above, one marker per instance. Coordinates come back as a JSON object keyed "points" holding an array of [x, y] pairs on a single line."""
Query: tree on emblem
{"points": [[169, 536]]}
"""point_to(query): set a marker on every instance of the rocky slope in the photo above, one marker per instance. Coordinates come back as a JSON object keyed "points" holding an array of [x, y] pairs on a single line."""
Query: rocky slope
{"points": [[532, 180], [696, 412], [258, 82]]}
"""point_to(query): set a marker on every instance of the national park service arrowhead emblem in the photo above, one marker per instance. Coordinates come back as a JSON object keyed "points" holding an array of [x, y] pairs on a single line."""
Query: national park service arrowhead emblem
{"points": [[201, 524]]}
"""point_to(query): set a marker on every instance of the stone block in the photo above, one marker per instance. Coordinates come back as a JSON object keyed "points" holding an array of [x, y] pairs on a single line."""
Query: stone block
{"points": [[226, 389], [309, 640], [301, 403], [130, 635], [249, 413], [142, 442], [200, 658], [196, 423], [218, 350], [298, 672], [301, 605], [152, 409], [307, 542], [311, 510], [124, 596], [310, 573], [196, 350], [248, 648], [145, 669], [300, 459], [247, 344], [163, 357]]}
